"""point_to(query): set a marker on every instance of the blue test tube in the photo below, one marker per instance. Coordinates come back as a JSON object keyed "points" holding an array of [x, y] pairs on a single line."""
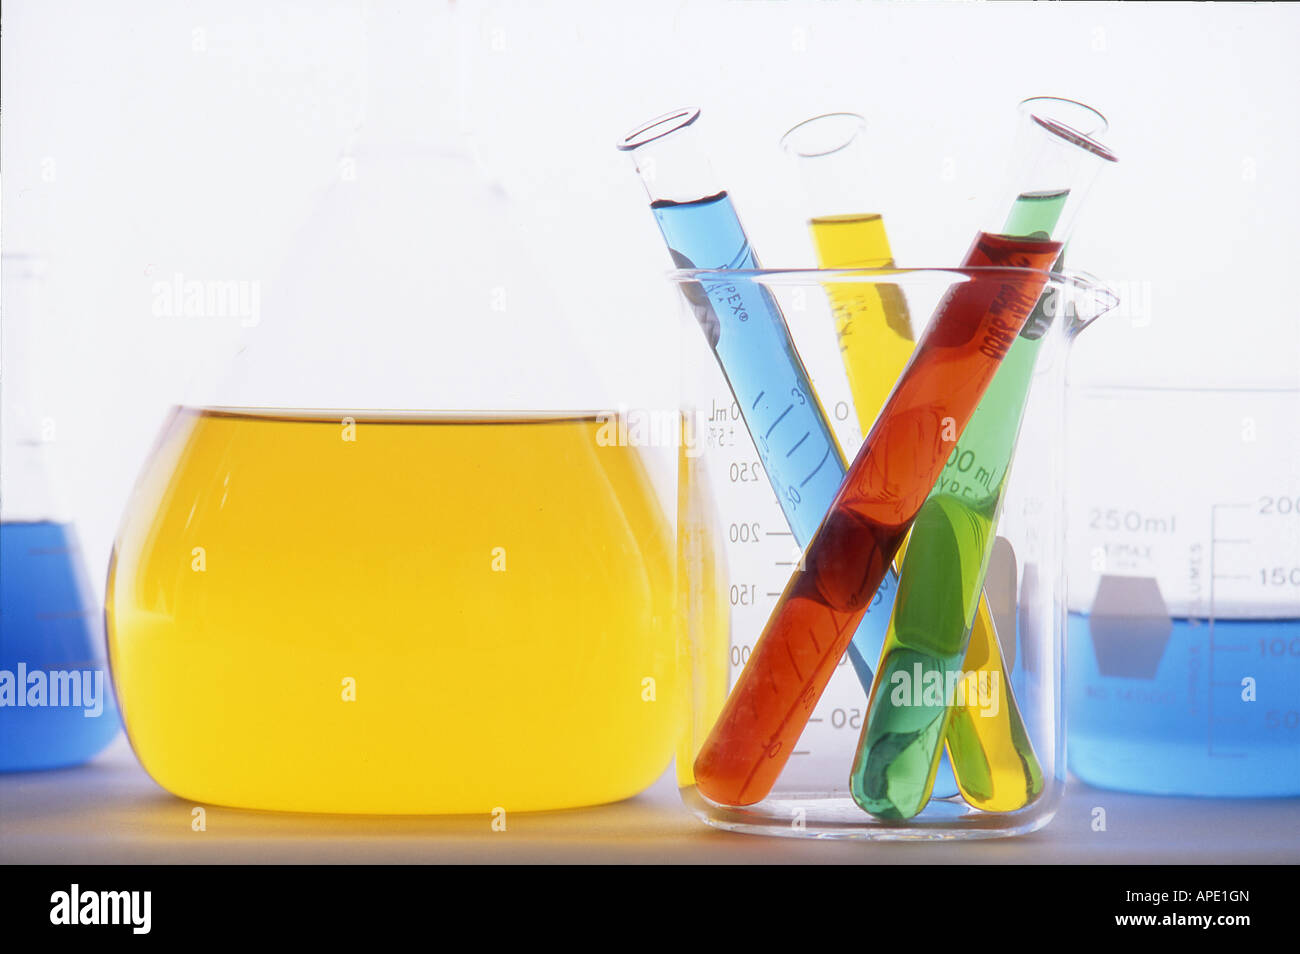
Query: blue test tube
{"points": [[744, 327]]}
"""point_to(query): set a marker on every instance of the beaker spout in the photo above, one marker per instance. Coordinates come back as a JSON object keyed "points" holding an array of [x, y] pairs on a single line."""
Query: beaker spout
{"points": [[1088, 299]]}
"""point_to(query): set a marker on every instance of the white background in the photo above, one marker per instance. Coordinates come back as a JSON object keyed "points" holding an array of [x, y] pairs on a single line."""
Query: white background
{"points": [[142, 139]]}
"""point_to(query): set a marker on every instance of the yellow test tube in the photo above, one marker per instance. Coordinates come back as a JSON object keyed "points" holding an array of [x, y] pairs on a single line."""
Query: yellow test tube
{"points": [[992, 758]]}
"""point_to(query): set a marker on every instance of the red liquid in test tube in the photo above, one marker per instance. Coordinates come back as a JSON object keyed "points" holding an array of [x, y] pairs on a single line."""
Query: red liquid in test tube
{"points": [[843, 566]]}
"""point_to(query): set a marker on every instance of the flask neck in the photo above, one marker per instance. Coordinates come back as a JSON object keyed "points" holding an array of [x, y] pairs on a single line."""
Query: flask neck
{"points": [[413, 80], [24, 481]]}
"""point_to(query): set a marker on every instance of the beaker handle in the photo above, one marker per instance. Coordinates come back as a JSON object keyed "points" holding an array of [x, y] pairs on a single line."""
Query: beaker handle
{"points": [[1089, 300]]}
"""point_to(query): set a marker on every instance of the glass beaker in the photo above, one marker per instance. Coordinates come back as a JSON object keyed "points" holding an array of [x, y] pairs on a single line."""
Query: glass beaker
{"points": [[56, 700], [416, 553], [811, 796], [1184, 589]]}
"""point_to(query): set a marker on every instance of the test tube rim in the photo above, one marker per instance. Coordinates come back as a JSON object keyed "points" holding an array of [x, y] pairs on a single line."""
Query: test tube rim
{"points": [[1024, 107], [1075, 138], [674, 120], [859, 122]]}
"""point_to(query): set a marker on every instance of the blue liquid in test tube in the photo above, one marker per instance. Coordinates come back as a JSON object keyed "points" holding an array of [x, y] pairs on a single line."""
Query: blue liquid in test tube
{"points": [[743, 324], [747, 332]]}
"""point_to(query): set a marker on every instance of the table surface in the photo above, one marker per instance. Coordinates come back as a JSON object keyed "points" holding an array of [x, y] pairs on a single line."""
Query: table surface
{"points": [[109, 812]]}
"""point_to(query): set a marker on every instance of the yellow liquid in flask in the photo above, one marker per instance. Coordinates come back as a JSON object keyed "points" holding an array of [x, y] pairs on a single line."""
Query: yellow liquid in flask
{"points": [[419, 615]]}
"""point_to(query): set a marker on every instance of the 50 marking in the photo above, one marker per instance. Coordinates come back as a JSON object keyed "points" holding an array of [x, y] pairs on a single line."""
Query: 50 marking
{"points": [[846, 718], [1279, 719]]}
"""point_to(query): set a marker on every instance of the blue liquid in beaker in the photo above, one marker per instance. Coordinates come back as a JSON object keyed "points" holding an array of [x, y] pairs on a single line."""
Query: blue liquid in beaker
{"points": [[58, 707], [1168, 710]]}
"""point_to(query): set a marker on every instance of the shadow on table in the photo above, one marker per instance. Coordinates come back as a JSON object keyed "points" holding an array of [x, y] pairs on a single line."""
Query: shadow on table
{"points": [[110, 807]]}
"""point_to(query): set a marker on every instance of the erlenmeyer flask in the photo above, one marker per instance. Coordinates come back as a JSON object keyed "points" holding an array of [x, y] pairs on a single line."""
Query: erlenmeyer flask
{"points": [[56, 703], [403, 558]]}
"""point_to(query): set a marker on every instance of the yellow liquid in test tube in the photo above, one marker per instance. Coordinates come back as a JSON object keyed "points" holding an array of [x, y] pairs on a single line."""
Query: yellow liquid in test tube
{"points": [[417, 615], [871, 321], [876, 339]]}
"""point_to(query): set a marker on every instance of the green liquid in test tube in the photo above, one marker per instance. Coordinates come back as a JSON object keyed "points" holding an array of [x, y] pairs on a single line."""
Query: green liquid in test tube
{"points": [[938, 592]]}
